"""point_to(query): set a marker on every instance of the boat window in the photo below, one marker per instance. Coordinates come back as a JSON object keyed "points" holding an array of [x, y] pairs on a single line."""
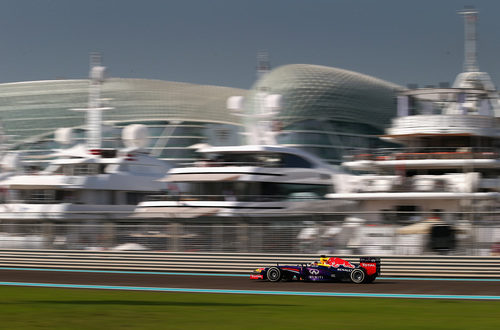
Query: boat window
{"points": [[293, 190], [37, 195], [262, 159], [113, 197], [247, 191], [134, 198], [314, 138], [173, 152], [108, 153], [55, 170], [309, 124], [407, 213], [86, 169], [67, 169], [388, 216], [326, 153], [290, 160]]}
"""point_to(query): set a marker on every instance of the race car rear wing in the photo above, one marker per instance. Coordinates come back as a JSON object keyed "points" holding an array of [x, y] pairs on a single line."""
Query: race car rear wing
{"points": [[370, 264]]}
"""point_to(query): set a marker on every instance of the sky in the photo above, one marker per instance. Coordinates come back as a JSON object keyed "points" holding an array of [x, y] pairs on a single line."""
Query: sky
{"points": [[216, 42]]}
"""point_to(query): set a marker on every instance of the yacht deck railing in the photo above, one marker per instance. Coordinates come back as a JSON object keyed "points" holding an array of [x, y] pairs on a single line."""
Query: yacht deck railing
{"points": [[211, 163], [233, 198], [382, 154]]}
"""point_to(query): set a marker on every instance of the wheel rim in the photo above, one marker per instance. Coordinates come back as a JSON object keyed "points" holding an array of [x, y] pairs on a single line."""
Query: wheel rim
{"points": [[357, 276], [273, 274]]}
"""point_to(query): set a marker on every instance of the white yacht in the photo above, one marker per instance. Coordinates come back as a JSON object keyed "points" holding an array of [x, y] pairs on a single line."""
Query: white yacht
{"points": [[251, 180], [450, 157], [86, 181], [448, 170], [84, 184]]}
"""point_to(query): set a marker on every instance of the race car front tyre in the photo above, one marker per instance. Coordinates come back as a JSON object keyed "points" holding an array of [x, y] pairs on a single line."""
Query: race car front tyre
{"points": [[274, 274], [358, 276]]}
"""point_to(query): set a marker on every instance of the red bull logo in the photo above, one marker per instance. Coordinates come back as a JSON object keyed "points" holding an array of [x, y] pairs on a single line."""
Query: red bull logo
{"points": [[337, 262]]}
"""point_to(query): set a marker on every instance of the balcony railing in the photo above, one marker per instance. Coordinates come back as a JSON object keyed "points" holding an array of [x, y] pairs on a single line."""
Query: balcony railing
{"points": [[210, 163], [235, 198], [37, 201], [384, 154], [404, 184]]}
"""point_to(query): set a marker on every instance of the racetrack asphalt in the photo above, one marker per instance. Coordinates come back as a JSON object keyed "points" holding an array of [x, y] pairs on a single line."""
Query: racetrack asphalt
{"points": [[386, 286]]}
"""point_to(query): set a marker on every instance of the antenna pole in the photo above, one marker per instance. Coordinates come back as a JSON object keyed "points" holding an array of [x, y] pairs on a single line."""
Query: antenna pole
{"points": [[470, 19], [94, 115], [263, 64]]}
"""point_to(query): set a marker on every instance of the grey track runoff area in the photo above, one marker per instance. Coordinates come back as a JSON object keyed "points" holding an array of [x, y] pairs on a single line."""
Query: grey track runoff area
{"points": [[384, 287]]}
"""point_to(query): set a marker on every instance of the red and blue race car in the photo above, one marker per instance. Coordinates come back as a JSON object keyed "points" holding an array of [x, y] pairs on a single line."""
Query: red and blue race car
{"points": [[328, 269]]}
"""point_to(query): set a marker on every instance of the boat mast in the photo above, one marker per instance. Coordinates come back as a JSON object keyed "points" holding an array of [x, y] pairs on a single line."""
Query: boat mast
{"points": [[259, 122], [94, 115], [263, 64], [95, 108], [470, 19]]}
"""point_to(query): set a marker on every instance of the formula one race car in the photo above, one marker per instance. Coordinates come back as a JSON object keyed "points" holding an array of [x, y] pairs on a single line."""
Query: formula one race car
{"points": [[326, 270]]}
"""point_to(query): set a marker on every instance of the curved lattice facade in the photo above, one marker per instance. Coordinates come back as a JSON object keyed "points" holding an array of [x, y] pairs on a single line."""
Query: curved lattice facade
{"points": [[177, 114], [328, 110]]}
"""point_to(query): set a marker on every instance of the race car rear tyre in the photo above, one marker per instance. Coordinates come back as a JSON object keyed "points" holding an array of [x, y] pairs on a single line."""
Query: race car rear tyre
{"points": [[274, 274], [370, 279], [358, 276]]}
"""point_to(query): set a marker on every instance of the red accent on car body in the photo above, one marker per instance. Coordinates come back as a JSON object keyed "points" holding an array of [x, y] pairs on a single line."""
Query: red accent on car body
{"points": [[256, 277], [370, 267], [336, 262]]}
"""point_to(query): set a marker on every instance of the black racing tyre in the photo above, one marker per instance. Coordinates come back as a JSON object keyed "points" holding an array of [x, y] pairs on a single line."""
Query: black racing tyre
{"points": [[358, 276], [370, 279], [274, 274]]}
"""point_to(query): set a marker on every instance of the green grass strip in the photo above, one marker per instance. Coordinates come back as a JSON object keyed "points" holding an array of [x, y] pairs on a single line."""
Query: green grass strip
{"points": [[44, 308]]}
